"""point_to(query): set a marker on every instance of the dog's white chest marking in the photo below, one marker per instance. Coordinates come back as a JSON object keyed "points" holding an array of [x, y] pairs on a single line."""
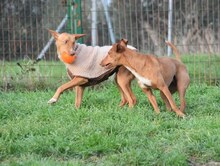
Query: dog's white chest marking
{"points": [[58, 55], [141, 80]]}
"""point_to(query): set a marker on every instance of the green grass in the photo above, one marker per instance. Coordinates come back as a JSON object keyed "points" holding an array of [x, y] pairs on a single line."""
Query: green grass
{"points": [[31, 76], [100, 133], [203, 68], [44, 74]]}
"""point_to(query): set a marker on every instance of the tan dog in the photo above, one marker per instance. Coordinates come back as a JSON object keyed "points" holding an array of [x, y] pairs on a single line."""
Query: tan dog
{"points": [[86, 69], [166, 74]]}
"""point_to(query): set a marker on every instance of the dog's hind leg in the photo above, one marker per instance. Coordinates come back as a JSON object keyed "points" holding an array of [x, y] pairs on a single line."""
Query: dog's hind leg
{"points": [[182, 99], [131, 93], [79, 95], [182, 85], [167, 93], [123, 97]]}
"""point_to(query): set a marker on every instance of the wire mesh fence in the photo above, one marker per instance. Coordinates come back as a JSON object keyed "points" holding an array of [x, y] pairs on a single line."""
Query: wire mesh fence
{"points": [[24, 24]]}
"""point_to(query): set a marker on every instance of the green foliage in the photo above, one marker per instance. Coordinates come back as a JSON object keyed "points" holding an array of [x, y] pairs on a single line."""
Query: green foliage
{"points": [[26, 74], [100, 133]]}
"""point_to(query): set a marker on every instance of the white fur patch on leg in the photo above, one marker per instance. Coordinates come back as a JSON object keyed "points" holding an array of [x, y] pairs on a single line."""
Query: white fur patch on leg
{"points": [[52, 100]]}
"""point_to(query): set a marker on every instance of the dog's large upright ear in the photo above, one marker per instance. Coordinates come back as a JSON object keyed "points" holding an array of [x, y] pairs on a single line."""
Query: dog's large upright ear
{"points": [[54, 34], [77, 36], [120, 48], [124, 42]]}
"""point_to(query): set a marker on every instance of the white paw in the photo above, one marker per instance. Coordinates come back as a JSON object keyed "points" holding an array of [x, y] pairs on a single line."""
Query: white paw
{"points": [[52, 100]]}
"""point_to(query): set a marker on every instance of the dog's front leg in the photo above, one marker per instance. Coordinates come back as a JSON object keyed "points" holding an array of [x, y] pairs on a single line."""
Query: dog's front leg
{"points": [[151, 98], [166, 101], [74, 82]]}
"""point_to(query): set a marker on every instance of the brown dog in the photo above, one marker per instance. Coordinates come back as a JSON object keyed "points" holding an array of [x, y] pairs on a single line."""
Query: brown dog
{"points": [[86, 71], [166, 74]]}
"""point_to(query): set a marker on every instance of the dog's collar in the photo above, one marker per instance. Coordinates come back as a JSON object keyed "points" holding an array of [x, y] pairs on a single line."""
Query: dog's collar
{"points": [[76, 46]]}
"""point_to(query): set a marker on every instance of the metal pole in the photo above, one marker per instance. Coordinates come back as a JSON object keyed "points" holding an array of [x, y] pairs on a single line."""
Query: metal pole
{"points": [[108, 22], [70, 16], [78, 19], [170, 14], [94, 22]]}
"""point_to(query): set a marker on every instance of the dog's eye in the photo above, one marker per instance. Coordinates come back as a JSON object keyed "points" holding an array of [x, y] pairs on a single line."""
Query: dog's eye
{"points": [[66, 41]]}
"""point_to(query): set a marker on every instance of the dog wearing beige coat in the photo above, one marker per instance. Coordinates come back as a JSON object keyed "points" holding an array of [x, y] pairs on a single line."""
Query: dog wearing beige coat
{"points": [[85, 70]]}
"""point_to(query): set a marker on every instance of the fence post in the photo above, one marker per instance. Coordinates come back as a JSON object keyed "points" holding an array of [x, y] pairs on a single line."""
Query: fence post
{"points": [[170, 14], [78, 19], [69, 16], [94, 23], [108, 20]]}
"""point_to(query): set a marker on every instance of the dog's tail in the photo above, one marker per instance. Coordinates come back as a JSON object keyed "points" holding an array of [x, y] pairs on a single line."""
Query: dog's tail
{"points": [[175, 50]]}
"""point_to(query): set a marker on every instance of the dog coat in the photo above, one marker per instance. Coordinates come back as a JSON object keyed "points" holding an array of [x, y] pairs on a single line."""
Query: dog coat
{"points": [[88, 59]]}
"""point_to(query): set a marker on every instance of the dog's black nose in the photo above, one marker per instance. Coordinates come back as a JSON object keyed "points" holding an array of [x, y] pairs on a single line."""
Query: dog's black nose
{"points": [[72, 52]]}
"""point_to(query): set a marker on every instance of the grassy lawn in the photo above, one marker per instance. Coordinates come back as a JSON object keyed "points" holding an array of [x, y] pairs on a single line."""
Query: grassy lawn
{"points": [[100, 133]]}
